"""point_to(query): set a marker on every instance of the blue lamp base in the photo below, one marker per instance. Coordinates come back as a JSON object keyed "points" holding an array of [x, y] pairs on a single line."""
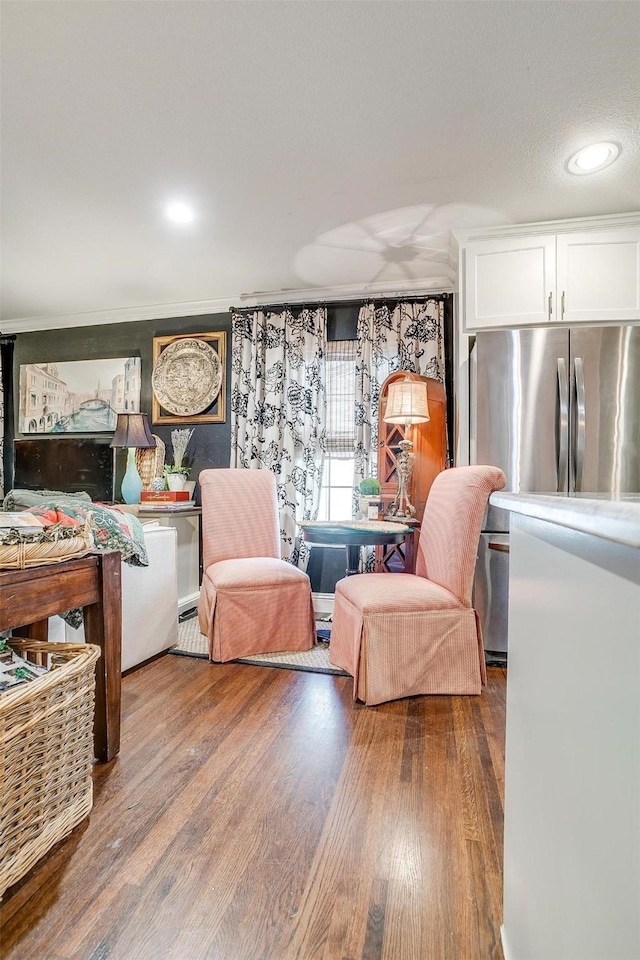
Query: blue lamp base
{"points": [[131, 482]]}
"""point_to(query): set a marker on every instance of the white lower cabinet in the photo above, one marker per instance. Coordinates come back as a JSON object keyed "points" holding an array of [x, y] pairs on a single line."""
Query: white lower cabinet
{"points": [[187, 527], [572, 773]]}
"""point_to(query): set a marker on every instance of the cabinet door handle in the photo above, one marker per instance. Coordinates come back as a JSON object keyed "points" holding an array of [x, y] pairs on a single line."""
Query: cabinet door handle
{"points": [[550, 304], [562, 306], [500, 547]]}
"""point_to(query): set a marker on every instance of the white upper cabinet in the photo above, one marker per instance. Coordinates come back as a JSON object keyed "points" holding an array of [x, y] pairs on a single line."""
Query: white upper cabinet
{"points": [[520, 277], [509, 282], [598, 275]]}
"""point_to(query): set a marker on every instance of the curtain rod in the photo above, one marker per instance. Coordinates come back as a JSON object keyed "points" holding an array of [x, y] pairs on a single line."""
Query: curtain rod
{"points": [[422, 298]]}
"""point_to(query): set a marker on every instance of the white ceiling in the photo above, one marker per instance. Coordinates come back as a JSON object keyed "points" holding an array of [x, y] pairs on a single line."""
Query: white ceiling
{"points": [[323, 144]]}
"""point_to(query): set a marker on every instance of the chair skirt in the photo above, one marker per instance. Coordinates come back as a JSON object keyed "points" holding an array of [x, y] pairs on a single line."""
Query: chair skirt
{"points": [[255, 605], [402, 654]]}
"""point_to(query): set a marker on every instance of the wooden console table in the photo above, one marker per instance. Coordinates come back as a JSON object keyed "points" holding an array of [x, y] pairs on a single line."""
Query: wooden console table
{"points": [[29, 597]]}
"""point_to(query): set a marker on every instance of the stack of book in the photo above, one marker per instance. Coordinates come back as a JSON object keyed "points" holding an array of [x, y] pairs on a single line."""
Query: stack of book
{"points": [[166, 500]]}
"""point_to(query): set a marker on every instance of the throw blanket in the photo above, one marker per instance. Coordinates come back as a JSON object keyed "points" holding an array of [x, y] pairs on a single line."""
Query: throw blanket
{"points": [[110, 530], [20, 499]]}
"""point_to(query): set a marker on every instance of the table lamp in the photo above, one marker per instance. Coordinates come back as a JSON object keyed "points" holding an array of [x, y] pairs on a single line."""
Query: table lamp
{"points": [[407, 404], [132, 431]]}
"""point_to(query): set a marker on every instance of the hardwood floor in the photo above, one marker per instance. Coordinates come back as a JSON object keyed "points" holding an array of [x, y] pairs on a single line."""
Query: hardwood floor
{"points": [[258, 814]]}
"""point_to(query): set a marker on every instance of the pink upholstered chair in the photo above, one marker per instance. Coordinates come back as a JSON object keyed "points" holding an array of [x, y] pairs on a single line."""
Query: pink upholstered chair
{"points": [[403, 634], [251, 601]]}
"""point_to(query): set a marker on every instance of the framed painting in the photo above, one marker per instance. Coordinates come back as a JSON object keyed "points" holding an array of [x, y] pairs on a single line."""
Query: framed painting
{"points": [[79, 396], [189, 378]]}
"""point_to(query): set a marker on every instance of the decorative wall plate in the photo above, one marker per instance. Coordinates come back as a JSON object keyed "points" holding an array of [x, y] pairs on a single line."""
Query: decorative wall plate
{"points": [[187, 377]]}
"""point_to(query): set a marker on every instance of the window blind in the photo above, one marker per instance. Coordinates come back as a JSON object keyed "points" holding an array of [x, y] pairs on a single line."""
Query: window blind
{"points": [[341, 395]]}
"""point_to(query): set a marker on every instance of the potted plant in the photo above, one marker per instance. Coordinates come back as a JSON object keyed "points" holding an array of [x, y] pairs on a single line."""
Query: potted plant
{"points": [[175, 477], [369, 497]]}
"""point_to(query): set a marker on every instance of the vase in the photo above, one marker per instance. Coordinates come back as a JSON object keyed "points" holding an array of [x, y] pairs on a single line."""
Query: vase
{"points": [[131, 482], [176, 481]]}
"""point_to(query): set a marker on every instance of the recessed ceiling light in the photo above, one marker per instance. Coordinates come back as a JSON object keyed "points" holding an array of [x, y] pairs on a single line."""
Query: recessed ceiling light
{"points": [[179, 213], [593, 158]]}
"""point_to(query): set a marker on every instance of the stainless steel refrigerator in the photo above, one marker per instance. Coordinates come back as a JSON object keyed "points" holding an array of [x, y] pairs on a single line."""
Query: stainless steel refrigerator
{"points": [[558, 409]]}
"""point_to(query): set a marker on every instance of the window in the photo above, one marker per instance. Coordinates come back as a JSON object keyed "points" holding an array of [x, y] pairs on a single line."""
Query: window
{"points": [[336, 496]]}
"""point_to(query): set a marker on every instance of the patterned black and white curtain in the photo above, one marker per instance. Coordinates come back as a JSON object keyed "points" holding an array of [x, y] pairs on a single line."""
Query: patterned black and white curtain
{"points": [[278, 408], [407, 336]]}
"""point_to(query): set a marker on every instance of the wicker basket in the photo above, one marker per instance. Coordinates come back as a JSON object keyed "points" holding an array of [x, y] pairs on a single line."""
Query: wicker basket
{"points": [[150, 462], [46, 754], [37, 553]]}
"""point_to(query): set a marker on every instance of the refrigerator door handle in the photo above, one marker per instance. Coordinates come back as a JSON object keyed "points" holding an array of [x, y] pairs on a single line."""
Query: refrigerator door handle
{"points": [[580, 422], [499, 547], [563, 424]]}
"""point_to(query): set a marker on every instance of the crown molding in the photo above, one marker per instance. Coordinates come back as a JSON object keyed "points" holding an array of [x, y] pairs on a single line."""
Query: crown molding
{"points": [[194, 308], [157, 311], [443, 284], [548, 226]]}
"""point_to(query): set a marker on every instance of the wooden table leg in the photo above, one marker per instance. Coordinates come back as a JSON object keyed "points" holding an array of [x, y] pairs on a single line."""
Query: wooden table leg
{"points": [[353, 559], [103, 626], [410, 552]]}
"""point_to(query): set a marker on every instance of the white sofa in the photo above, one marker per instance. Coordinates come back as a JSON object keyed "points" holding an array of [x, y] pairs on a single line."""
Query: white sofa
{"points": [[149, 601]]}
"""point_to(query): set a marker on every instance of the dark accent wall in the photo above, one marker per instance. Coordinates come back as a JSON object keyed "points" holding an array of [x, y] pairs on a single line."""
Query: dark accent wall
{"points": [[211, 442], [326, 566], [342, 321], [6, 378]]}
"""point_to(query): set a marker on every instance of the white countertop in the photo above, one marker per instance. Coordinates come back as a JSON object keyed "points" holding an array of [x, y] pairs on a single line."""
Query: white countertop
{"points": [[617, 520]]}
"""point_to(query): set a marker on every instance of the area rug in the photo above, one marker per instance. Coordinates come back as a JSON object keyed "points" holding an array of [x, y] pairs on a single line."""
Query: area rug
{"points": [[191, 643]]}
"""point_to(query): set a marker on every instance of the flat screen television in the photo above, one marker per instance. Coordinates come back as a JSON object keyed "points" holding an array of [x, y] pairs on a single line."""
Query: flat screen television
{"points": [[67, 464]]}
